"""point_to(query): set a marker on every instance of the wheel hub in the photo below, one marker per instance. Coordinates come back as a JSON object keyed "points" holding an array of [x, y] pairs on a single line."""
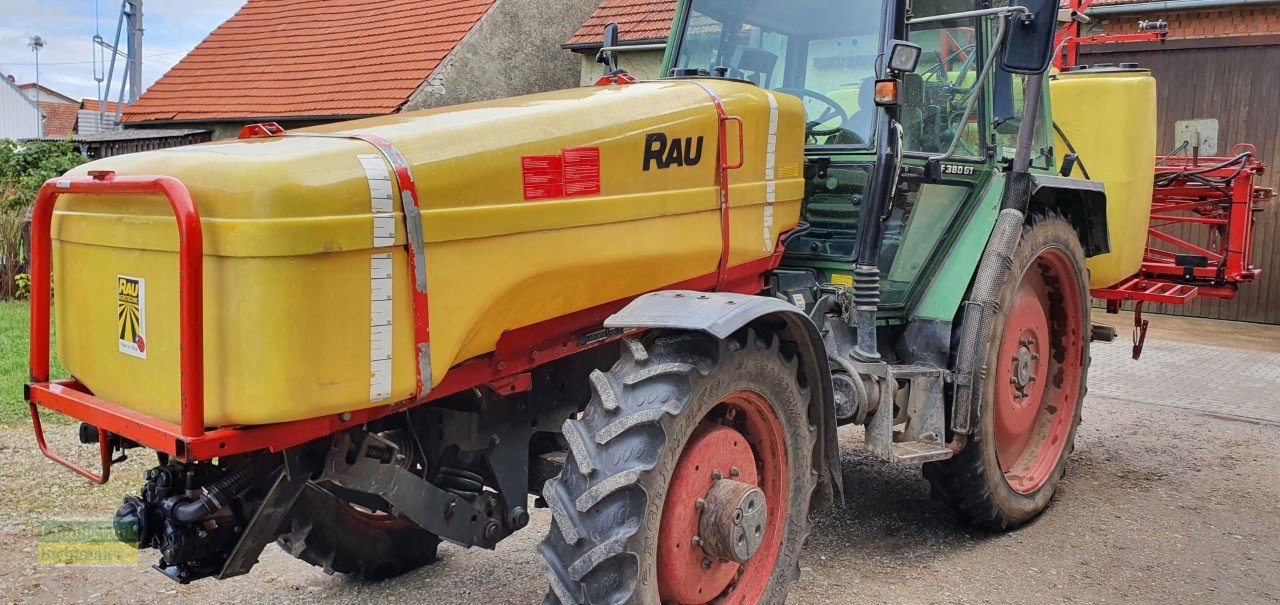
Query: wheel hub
{"points": [[733, 520], [1024, 365], [699, 555]]}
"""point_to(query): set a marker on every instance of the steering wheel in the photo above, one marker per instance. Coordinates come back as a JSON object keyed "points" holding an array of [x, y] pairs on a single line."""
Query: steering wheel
{"points": [[830, 111], [940, 68], [957, 130]]}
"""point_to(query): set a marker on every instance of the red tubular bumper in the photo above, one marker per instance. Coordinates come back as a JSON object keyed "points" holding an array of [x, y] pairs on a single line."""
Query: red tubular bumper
{"points": [[190, 269], [66, 397], [188, 439]]}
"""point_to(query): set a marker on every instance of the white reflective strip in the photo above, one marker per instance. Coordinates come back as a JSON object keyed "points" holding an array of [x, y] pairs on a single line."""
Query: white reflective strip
{"points": [[380, 306], [770, 173], [381, 193], [384, 230], [381, 284]]}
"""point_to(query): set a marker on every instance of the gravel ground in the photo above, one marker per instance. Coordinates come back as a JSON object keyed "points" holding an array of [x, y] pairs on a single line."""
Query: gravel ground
{"points": [[1159, 505]]}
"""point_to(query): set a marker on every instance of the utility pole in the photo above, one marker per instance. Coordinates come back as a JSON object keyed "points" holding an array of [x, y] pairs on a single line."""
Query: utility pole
{"points": [[129, 26], [36, 44], [133, 11]]}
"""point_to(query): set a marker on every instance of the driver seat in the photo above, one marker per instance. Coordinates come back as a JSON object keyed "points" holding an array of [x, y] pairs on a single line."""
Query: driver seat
{"points": [[757, 62]]}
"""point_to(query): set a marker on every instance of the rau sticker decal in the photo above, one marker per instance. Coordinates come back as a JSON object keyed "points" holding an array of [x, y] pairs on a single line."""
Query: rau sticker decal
{"points": [[131, 315]]}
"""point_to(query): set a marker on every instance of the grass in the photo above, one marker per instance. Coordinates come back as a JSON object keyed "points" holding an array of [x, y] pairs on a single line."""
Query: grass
{"points": [[14, 338]]}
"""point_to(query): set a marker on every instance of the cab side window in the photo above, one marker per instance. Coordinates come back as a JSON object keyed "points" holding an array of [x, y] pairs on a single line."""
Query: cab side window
{"points": [[936, 96], [1009, 93]]}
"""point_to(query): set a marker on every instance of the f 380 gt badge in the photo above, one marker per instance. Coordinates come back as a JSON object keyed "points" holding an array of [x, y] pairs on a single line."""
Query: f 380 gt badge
{"points": [[958, 169]]}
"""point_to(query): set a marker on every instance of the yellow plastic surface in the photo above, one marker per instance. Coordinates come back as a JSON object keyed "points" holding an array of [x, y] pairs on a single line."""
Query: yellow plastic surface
{"points": [[288, 229], [1110, 117]]}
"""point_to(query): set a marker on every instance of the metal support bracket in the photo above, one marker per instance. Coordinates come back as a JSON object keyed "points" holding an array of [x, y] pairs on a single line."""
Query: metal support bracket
{"points": [[923, 438], [359, 460], [299, 467], [1139, 330]]}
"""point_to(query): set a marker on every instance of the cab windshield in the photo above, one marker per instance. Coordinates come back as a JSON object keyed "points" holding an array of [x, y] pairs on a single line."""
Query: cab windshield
{"points": [[822, 51]]}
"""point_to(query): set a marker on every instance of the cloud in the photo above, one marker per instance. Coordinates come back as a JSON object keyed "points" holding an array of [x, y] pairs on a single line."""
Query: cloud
{"points": [[171, 28]]}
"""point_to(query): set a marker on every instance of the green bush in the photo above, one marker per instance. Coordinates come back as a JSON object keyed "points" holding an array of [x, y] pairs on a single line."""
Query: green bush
{"points": [[24, 167], [22, 286]]}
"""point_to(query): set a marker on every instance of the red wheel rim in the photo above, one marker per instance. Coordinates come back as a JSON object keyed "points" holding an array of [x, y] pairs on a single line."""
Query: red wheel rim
{"points": [[1038, 372], [743, 433]]}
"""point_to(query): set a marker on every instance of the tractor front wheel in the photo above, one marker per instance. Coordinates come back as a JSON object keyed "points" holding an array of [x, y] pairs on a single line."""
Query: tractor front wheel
{"points": [[689, 477], [1037, 364]]}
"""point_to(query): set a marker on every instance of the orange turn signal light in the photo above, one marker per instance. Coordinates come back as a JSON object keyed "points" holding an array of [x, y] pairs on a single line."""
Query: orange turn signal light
{"points": [[886, 92]]}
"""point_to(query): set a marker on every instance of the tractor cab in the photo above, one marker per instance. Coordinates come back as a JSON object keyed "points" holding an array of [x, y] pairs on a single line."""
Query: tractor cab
{"points": [[938, 125]]}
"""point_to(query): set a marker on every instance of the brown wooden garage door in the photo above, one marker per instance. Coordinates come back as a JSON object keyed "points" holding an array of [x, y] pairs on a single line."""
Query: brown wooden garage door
{"points": [[1239, 85]]}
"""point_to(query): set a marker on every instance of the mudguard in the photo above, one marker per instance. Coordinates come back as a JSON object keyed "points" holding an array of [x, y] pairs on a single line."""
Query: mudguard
{"points": [[721, 314], [1083, 203]]}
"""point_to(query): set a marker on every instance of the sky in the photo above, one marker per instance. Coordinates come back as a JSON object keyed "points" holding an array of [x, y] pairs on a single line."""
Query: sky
{"points": [[171, 29]]}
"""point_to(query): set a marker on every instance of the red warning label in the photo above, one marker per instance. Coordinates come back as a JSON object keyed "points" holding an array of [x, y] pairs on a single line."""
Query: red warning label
{"points": [[573, 173]]}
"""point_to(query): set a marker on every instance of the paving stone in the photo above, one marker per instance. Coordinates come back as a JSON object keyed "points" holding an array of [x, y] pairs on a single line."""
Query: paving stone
{"points": [[1211, 379]]}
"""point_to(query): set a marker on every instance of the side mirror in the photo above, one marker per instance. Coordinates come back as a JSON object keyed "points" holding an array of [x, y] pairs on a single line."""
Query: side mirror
{"points": [[904, 56], [607, 56], [1028, 41]]}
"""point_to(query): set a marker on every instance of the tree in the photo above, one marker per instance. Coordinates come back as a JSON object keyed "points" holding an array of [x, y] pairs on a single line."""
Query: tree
{"points": [[24, 167]]}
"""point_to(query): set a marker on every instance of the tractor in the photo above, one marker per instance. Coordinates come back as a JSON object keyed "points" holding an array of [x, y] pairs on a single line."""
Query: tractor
{"points": [[646, 306]]}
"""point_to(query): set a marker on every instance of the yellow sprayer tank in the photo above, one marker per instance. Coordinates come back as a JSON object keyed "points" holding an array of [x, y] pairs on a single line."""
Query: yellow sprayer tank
{"points": [[295, 240], [1110, 116]]}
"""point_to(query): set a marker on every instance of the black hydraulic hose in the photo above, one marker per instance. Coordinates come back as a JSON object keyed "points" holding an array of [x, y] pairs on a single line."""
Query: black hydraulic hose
{"points": [[1072, 149], [801, 229], [1175, 151], [1240, 158], [1209, 183], [1166, 177], [217, 494]]}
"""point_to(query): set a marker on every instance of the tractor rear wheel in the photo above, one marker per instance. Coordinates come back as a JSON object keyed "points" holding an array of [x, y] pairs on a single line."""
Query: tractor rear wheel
{"points": [[689, 477], [1038, 361], [336, 536]]}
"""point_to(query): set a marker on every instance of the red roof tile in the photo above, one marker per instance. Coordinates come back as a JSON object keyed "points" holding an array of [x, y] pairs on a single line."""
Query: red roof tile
{"points": [[59, 119], [284, 58], [94, 104], [638, 21]]}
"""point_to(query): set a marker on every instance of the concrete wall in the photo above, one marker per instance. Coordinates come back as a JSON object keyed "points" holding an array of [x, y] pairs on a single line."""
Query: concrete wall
{"points": [[644, 65], [513, 50]]}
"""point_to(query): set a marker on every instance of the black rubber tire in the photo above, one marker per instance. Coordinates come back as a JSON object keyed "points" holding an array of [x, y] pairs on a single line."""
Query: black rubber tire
{"points": [[327, 532], [607, 501], [971, 483]]}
